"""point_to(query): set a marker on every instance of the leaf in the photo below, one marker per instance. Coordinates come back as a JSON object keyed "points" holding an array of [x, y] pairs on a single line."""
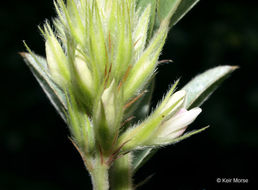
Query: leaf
{"points": [[141, 6], [202, 86], [165, 11], [182, 10], [175, 10], [162, 9], [38, 67], [140, 157]]}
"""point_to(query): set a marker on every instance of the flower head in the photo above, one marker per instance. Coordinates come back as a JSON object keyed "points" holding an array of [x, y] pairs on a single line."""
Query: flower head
{"points": [[101, 55]]}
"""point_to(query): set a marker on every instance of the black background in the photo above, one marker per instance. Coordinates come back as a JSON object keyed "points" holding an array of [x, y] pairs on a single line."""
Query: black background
{"points": [[35, 152]]}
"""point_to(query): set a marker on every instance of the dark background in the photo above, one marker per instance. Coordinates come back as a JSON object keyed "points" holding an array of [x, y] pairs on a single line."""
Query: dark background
{"points": [[35, 152]]}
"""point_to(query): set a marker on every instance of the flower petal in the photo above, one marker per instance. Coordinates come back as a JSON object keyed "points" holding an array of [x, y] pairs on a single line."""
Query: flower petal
{"points": [[180, 121]]}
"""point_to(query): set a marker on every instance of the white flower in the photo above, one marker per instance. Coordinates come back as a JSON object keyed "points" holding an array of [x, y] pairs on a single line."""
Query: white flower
{"points": [[175, 126]]}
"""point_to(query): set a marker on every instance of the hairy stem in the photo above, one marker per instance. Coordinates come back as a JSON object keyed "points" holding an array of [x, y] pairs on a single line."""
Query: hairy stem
{"points": [[121, 173], [99, 175]]}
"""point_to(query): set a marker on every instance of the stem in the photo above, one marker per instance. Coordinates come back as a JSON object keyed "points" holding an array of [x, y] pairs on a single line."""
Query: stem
{"points": [[121, 173], [99, 176]]}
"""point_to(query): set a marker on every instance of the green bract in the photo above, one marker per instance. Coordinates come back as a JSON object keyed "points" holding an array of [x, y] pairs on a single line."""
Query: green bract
{"points": [[101, 56]]}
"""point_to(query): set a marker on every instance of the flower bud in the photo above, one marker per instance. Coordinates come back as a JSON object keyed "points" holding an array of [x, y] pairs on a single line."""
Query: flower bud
{"points": [[84, 85], [108, 116], [57, 61], [108, 99], [176, 125]]}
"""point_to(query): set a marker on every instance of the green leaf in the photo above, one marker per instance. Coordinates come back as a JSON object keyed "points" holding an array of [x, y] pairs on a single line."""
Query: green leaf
{"points": [[203, 85], [140, 157], [175, 10], [183, 8], [166, 10], [38, 66], [141, 6], [162, 9]]}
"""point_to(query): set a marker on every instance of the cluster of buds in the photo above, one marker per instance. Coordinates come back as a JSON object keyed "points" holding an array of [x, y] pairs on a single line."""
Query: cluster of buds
{"points": [[102, 55]]}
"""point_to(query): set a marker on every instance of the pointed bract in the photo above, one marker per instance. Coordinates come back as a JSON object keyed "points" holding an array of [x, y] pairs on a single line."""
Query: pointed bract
{"points": [[57, 62]]}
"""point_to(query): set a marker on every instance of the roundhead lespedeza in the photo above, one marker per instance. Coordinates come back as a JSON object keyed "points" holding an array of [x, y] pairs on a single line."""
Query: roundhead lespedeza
{"points": [[101, 60]]}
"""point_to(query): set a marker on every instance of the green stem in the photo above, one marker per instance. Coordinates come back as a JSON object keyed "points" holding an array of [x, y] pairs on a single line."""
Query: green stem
{"points": [[121, 173], [99, 176]]}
